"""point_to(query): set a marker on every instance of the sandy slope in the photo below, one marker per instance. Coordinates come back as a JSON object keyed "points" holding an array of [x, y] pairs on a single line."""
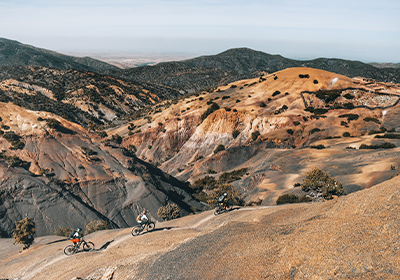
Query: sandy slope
{"points": [[351, 237]]}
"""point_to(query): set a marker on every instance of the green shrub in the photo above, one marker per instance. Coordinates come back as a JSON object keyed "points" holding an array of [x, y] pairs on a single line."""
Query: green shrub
{"points": [[254, 135], [389, 136], [53, 123], [10, 136], [116, 138], [319, 181], [385, 145], [24, 232], [262, 104], [229, 177], [314, 130], [350, 117], [315, 81], [346, 134], [207, 182], [304, 76], [96, 225], [219, 148], [319, 147], [235, 133], [296, 123], [328, 95], [17, 145], [287, 198], [102, 134], [277, 92], [371, 119], [290, 131], [169, 212], [63, 231], [88, 151], [214, 107]]}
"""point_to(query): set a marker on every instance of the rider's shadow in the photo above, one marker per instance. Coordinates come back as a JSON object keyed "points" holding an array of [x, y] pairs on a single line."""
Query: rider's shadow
{"points": [[104, 246], [157, 229]]}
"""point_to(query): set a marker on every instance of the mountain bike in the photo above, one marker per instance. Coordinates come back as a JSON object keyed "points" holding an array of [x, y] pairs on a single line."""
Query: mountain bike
{"points": [[138, 229], [73, 249], [221, 208]]}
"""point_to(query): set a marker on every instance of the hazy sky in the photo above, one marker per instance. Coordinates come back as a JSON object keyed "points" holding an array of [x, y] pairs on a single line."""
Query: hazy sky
{"points": [[366, 30]]}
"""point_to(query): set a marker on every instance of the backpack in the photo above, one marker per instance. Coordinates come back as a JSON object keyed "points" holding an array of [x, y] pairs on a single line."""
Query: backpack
{"points": [[71, 234]]}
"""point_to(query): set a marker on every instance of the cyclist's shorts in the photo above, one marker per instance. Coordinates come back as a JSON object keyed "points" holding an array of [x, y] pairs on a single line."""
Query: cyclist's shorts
{"points": [[76, 240]]}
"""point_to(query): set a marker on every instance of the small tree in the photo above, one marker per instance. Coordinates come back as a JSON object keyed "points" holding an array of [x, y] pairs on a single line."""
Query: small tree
{"points": [[95, 226], [219, 148], [24, 231], [287, 198], [169, 212], [321, 183]]}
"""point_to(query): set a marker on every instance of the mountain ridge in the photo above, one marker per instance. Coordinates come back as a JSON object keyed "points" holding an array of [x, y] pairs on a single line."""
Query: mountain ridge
{"points": [[14, 53]]}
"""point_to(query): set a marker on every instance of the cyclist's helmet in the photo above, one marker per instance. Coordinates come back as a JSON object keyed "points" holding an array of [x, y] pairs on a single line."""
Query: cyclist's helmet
{"points": [[78, 229]]}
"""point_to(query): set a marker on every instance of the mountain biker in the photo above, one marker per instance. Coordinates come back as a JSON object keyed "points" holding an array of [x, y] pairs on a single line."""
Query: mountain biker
{"points": [[75, 235], [142, 218], [222, 200]]}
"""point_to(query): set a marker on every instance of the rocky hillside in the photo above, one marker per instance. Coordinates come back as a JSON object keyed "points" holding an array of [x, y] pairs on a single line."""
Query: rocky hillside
{"points": [[13, 53], [276, 127], [78, 96], [61, 175], [209, 71], [351, 237]]}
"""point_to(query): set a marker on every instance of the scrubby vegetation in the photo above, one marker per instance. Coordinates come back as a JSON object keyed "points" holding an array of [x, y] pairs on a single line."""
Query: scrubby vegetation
{"points": [[385, 145], [277, 92], [350, 117], [254, 135], [96, 225], [234, 197], [63, 231], [206, 187], [319, 147], [219, 148], [292, 198], [169, 212], [371, 119], [304, 76], [328, 95], [389, 136], [235, 133], [319, 184], [24, 232], [214, 107]]}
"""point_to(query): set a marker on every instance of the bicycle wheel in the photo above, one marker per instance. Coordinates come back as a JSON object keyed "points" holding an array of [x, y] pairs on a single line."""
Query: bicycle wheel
{"points": [[136, 230], [151, 226], [217, 211], [69, 250], [88, 246]]}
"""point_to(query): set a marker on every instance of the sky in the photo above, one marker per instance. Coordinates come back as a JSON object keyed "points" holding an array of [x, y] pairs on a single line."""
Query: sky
{"points": [[365, 30]]}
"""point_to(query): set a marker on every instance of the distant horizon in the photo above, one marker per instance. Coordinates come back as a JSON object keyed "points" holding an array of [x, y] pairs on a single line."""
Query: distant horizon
{"points": [[367, 31]]}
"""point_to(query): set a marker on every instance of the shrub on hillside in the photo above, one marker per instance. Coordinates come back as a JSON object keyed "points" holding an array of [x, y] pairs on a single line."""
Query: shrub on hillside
{"points": [[219, 148], [96, 225], [214, 107], [371, 119], [234, 197], [287, 198], [169, 212], [385, 145], [254, 135], [321, 184], [346, 134], [290, 131], [277, 92], [235, 133], [24, 232], [63, 231]]}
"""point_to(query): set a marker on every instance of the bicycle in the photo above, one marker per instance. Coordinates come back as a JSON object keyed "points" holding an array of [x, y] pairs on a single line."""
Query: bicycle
{"points": [[73, 249], [138, 229], [221, 208]]}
